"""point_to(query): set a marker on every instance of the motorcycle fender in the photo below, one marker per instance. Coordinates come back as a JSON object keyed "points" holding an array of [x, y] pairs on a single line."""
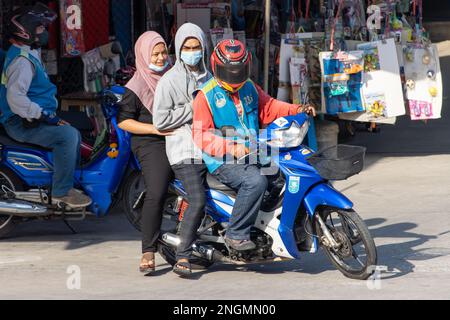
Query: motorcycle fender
{"points": [[325, 195]]}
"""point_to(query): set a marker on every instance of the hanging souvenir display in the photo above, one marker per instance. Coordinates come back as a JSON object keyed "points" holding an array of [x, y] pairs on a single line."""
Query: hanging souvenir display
{"points": [[220, 34], [293, 46], [354, 19], [299, 80], [423, 82], [220, 15], [382, 89], [93, 71], [342, 81], [313, 48], [72, 39], [240, 35]]}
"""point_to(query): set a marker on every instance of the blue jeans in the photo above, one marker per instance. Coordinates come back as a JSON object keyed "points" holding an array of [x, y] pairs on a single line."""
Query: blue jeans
{"points": [[63, 140], [250, 185]]}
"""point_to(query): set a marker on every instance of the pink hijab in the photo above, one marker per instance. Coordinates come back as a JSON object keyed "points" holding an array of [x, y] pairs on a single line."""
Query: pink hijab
{"points": [[144, 81]]}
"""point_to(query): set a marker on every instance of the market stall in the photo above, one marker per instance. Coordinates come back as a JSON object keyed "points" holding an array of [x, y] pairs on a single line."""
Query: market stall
{"points": [[356, 60]]}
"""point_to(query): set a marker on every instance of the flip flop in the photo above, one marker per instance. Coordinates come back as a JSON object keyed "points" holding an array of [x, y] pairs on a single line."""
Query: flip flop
{"points": [[183, 269], [148, 267]]}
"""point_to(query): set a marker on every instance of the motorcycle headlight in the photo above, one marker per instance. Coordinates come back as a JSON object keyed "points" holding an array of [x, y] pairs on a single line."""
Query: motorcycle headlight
{"points": [[289, 138]]}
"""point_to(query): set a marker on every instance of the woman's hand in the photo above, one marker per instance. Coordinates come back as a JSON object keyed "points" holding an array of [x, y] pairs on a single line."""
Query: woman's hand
{"points": [[140, 128], [308, 109], [162, 133]]}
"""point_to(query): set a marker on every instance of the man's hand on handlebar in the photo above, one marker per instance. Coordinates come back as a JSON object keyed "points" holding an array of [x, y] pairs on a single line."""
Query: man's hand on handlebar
{"points": [[239, 151], [308, 109], [52, 119]]}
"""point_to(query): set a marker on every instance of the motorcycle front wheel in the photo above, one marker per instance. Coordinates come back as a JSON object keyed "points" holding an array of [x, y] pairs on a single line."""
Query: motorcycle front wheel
{"points": [[356, 256]]}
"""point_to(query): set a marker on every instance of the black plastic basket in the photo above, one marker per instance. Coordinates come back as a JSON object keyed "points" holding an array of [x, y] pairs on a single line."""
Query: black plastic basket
{"points": [[339, 162]]}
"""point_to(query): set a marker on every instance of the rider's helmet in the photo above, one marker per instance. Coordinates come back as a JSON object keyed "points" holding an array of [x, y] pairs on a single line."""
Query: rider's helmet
{"points": [[231, 63], [24, 22]]}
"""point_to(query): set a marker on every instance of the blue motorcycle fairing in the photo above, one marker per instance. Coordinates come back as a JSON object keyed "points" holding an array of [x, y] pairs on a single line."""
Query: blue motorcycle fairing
{"points": [[325, 195], [99, 180], [110, 110], [218, 205], [103, 178], [302, 176], [285, 123], [33, 165]]}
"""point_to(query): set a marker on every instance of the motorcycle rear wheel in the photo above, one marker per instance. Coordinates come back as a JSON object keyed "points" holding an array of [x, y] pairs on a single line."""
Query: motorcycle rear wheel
{"points": [[348, 229], [168, 253], [133, 198]]}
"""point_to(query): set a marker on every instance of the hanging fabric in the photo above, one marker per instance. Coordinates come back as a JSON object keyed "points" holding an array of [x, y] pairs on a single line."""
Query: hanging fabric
{"points": [[335, 21]]}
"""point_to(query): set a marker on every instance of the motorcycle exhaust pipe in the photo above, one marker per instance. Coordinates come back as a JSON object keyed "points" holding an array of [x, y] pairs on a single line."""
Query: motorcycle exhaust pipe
{"points": [[21, 209], [208, 253], [171, 239]]}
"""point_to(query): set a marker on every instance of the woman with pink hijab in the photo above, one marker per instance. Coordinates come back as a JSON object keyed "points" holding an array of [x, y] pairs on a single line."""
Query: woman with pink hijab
{"points": [[148, 144]]}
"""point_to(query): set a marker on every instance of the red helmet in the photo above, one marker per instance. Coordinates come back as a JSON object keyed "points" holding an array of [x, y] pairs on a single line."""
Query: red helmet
{"points": [[231, 63]]}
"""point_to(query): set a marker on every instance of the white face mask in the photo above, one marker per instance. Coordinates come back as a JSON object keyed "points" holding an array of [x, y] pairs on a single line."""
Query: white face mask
{"points": [[158, 69], [192, 58]]}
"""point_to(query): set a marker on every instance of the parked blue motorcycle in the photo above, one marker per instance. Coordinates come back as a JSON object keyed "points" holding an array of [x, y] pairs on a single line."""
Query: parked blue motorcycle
{"points": [[301, 211], [107, 173]]}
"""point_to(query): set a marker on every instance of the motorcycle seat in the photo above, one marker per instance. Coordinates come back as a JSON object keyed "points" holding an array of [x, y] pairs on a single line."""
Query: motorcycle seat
{"points": [[215, 184], [5, 140]]}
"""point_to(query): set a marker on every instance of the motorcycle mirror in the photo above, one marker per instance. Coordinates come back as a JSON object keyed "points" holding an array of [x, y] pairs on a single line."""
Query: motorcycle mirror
{"points": [[109, 98]]}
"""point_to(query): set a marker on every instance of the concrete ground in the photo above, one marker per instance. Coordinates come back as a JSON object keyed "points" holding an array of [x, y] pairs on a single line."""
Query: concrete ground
{"points": [[404, 200]]}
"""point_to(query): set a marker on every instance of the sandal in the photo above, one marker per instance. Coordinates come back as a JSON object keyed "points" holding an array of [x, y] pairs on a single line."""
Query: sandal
{"points": [[183, 268], [147, 263]]}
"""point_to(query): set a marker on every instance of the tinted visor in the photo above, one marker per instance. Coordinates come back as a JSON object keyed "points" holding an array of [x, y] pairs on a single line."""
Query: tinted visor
{"points": [[233, 74], [43, 14]]}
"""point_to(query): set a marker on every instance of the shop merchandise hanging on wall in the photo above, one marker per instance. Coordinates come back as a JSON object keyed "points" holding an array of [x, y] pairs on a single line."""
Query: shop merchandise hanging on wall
{"points": [[240, 35], [299, 79], [72, 28], [219, 34], [382, 88], [354, 20], [423, 81], [313, 47], [93, 71], [221, 15], [293, 46], [342, 76]]}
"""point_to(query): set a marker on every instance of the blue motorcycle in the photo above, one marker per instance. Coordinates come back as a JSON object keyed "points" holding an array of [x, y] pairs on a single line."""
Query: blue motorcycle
{"points": [[107, 173], [300, 213]]}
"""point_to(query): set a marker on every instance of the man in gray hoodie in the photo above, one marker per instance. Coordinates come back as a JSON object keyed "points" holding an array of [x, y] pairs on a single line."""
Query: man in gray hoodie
{"points": [[172, 110]]}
